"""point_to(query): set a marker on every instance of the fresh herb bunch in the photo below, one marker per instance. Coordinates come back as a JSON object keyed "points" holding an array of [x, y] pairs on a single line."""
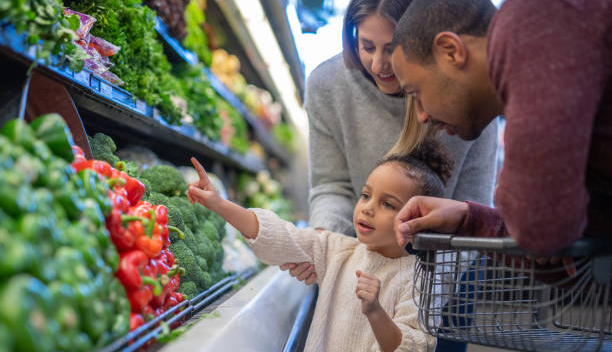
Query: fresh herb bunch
{"points": [[141, 63], [44, 21], [201, 101], [196, 39]]}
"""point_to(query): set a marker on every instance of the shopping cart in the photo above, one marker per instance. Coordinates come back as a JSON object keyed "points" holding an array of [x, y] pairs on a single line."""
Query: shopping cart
{"points": [[503, 299]]}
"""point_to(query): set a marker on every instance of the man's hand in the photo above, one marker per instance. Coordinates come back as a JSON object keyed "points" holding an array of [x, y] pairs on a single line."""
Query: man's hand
{"points": [[202, 191], [302, 271], [368, 287], [428, 213]]}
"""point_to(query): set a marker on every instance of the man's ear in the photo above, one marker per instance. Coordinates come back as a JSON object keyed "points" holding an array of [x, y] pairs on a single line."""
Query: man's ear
{"points": [[448, 48]]}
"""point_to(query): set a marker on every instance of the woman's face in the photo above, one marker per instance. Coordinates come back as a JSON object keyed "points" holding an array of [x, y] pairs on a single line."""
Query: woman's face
{"points": [[374, 36]]}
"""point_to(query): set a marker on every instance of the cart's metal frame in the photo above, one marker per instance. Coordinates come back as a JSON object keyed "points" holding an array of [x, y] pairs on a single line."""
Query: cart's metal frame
{"points": [[504, 299]]}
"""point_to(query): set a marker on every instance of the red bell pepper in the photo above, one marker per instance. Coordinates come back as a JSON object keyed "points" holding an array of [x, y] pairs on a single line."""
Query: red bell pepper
{"points": [[135, 189], [136, 321], [134, 272], [118, 197], [148, 234], [122, 238]]}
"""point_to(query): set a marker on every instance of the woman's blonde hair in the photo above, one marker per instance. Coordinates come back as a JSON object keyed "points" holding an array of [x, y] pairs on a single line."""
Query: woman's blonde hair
{"points": [[413, 132]]}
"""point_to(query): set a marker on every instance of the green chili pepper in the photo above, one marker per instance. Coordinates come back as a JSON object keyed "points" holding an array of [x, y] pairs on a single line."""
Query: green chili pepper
{"points": [[52, 129], [26, 305]]}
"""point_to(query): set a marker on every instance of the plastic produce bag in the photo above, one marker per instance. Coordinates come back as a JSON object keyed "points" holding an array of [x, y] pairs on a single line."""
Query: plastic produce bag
{"points": [[103, 47], [86, 22]]}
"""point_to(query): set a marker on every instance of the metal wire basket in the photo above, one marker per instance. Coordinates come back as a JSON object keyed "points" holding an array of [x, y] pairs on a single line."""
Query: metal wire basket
{"points": [[502, 298]]}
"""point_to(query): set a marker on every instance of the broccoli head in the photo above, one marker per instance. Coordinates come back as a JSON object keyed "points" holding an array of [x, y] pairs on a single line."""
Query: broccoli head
{"points": [[186, 209], [186, 259], [202, 263], [204, 248], [201, 212], [188, 289], [158, 198], [147, 185], [165, 179], [175, 219], [189, 239], [219, 224], [210, 231], [103, 147]]}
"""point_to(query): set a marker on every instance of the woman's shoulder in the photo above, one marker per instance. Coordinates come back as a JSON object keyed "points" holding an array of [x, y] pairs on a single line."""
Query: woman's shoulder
{"points": [[328, 74]]}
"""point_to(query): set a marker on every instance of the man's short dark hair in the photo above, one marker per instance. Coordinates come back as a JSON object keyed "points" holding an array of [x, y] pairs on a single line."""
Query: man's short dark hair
{"points": [[424, 19]]}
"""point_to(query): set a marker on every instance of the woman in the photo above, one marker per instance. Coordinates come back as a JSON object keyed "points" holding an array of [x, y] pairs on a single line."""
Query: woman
{"points": [[356, 114]]}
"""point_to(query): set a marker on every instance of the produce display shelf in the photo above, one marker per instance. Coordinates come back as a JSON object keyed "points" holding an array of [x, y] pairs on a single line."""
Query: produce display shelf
{"points": [[176, 53], [184, 311], [118, 106]]}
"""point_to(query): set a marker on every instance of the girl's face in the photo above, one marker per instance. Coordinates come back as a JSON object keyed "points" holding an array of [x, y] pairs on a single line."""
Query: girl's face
{"points": [[385, 192], [374, 36]]}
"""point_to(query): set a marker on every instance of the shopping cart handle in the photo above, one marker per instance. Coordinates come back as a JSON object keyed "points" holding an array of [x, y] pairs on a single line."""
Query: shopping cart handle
{"points": [[435, 241]]}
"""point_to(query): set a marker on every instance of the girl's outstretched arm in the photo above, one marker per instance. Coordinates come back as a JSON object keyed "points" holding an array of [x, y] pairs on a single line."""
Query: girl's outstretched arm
{"points": [[204, 193]]}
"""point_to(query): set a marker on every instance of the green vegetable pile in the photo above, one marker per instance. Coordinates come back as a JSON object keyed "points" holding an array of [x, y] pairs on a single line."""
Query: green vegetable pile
{"points": [[57, 262], [201, 101], [141, 63], [285, 136], [44, 20], [196, 39], [264, 192], [239, 140]]}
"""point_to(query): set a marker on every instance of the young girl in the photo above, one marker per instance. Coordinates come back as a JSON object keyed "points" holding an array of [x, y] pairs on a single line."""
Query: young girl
{"points": [[372, 268]]}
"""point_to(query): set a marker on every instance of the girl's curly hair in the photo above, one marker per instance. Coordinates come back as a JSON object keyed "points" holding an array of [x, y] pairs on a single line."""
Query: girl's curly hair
{"points": [[429, 165]]}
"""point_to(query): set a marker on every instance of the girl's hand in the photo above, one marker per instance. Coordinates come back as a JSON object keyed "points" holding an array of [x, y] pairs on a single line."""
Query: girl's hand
{"points": [[368, 287], [203, 190]]}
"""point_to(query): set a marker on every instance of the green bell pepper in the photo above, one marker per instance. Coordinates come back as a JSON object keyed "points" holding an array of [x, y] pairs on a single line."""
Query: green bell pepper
{"points": [[6, 338], [95, 313], [70, 266], [68, 318], [121, 317], [30, 167], [70, 199], [56, 174], [52, 129], [26, 305], [16, 255], [18, 132], [17, 200]]}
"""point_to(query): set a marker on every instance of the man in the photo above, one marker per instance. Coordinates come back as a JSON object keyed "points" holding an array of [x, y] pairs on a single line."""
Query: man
{"points": [[545, 65]]}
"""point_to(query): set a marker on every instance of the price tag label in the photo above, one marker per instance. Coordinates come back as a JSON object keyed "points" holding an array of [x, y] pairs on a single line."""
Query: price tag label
{"points": [[106, 90], [141, 106], [82, 77]]}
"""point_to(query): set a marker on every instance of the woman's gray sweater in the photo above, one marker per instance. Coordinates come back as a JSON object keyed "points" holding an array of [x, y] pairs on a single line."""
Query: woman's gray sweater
{"points": [[353, 125]]}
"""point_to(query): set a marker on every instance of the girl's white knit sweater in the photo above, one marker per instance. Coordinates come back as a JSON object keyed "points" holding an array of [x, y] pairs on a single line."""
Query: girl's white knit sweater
{"points": [[338, 323]]}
